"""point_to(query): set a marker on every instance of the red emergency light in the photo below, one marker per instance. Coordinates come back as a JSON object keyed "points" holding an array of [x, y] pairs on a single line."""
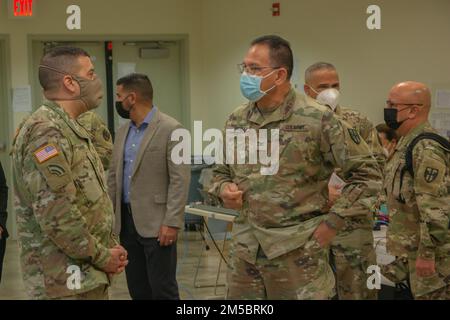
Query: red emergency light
{"points": [[276, 9], [22, 8]]}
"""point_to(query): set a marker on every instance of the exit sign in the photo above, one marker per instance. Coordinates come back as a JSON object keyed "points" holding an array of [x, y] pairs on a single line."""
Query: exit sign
{"points": [[21, 8]]}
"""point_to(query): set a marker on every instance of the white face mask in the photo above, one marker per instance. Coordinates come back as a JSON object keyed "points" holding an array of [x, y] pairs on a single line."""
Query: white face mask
{"points": [[329, 97]]}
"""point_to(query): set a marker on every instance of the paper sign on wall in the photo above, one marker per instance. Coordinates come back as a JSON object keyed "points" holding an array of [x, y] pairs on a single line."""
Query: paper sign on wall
{"points": [[22, 99], [125, 68], [441, 122], [443, 98]]}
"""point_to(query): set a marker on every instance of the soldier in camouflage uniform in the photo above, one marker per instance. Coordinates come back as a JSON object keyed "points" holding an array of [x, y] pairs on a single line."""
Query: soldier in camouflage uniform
{"points": [[419, 207], [99, 134], [64, 214], [280, 240], [352, 250]]}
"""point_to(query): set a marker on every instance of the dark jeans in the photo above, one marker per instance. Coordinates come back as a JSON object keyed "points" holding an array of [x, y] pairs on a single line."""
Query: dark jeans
{"points": [[151, 271]]}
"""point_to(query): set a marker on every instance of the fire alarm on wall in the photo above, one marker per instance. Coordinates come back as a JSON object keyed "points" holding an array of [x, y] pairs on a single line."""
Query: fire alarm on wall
{"points": [[276, 9]]}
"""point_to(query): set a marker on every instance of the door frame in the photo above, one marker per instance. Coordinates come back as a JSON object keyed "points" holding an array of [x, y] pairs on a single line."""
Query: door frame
{"points": [[183, 39], [6, 100]]}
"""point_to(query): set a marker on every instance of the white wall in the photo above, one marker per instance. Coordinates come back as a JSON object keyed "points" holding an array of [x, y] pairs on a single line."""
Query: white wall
{"points": [[413, 44]]}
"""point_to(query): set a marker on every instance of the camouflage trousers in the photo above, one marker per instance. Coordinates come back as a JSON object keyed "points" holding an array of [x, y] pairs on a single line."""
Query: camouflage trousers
{"points": [[99, 293], [440, 294], [397, 271], [352, 252], [435, 287], [302, 274]]}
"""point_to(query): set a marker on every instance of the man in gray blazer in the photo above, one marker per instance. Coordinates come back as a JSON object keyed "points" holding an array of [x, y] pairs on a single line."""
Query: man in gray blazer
{"points": [[148, 191]]}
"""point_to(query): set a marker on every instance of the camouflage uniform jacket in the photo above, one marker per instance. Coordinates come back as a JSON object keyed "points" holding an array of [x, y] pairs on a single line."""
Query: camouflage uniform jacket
{"points": [[420, 211], [364, 127], [99, 134], [281, 211], [366, 130], [64, 214]]}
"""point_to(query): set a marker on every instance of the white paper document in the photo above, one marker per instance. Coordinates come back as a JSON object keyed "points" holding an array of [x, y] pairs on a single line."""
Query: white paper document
{"points": [[443, 98], [125, 68], [22, 99]]}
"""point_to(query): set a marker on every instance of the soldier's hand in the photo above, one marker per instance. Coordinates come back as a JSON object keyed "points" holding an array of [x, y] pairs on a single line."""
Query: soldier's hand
{"points": [[231, 196], [324, 235], [124, 255], [425, 268], [167, 235], [116, 263]]}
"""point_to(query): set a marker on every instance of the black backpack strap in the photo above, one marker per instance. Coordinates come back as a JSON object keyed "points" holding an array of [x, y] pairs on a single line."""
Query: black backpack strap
{"points": [[408, 167], [426, 135]]}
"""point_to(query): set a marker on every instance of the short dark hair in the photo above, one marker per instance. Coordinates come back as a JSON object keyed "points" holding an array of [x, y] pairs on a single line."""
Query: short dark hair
{"points": [[137, 82], [390, 133], [317, 66], [280, 51], [63, 59]]}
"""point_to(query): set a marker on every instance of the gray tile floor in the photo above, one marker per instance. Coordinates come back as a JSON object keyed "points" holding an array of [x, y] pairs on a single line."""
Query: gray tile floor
{"points": [[189, 248]]}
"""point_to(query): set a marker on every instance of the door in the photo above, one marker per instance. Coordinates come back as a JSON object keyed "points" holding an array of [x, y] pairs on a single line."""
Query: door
{"points": [[164, 71]]}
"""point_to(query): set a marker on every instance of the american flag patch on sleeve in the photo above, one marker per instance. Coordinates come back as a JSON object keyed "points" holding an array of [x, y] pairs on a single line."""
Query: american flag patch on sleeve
{"points": [[45, 153]]}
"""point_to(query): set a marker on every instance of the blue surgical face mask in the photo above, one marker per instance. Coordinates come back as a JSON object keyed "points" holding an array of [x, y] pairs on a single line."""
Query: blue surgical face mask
{"points": [[251, 86]]}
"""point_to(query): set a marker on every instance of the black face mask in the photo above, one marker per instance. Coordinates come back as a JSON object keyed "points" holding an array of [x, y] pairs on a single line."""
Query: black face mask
{"points": [[124, 113], [121, 110], [390, 117]]}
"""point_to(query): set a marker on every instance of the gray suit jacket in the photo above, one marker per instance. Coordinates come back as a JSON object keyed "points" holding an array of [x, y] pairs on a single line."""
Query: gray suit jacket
{"points": [[159, 188]]}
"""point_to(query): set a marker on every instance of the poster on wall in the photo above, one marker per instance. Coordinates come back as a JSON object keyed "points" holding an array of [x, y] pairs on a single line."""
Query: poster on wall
{"points": [[443, 98], [125, 68], [22, 99], [440, 120]]}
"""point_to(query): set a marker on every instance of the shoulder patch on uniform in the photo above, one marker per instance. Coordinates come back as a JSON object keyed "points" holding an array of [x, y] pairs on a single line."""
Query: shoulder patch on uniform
{"points": [[106, 135], [56, 170], [430, 174], [46, 153], [354, 135]]}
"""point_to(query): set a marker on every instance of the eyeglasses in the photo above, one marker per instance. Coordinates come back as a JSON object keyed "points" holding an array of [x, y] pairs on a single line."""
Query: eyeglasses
{"points": [[252, 69], [390, 104]]}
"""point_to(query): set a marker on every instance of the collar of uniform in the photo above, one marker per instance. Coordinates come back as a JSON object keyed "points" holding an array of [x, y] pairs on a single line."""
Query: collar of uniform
{"points": [[57, 108], [404, 141], [65, 116], [313, 103], [283, 111], [338, 111]]}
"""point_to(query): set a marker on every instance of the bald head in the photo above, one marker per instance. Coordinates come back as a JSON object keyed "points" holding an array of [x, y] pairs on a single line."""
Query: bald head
{"points": [[412, 92], [412, 100]]}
